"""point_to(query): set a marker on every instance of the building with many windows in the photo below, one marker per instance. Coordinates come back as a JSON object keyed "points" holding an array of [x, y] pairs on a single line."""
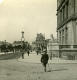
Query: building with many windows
{"points": [[67, 25], [41, 42]]}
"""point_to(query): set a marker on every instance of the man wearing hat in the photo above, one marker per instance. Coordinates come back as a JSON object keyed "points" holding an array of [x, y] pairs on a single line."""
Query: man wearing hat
{"points": [[44, 59]]}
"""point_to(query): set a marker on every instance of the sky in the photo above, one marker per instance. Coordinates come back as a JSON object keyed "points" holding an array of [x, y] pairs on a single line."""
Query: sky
{"points": [[31, 16]]}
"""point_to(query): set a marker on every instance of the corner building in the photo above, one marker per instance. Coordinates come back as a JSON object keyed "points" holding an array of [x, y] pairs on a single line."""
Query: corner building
{"points": [[67, 25]]}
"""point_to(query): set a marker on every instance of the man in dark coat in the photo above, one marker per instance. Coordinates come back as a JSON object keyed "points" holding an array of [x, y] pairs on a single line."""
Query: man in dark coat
{"points": [[28, 52], [22, 55], [44, 59]]}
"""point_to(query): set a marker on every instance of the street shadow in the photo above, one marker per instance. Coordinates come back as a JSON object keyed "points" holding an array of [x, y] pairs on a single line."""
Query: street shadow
{"points": [[37, 72], [57, 70], [50, 70]]}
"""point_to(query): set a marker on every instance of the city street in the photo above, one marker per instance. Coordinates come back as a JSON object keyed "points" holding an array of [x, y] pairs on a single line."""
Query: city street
{"points": [[34, 58], [38, 39], [27, 70]]}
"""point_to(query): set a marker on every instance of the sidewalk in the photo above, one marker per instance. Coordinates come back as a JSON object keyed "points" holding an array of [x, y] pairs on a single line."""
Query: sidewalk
{"points": [[34, 58], [57, 60]]}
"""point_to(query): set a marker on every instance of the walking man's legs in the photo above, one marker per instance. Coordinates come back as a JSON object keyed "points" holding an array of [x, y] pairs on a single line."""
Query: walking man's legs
{"points": [[28, 54], [22, 55], [44, 67]]}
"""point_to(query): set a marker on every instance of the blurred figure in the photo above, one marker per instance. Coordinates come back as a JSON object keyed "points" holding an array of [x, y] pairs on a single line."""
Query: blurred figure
{"points": [[28, 52], [22, 55], [37, 52], [44, 59]]}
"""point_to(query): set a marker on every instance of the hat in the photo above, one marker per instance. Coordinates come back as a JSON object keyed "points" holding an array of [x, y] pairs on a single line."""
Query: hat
{"points": [[44, 49]]}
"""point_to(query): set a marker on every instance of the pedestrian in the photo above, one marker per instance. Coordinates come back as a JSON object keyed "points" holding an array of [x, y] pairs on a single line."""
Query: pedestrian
{"points": [[22, 55], [37, 52], [28, 52], [44, 59]]}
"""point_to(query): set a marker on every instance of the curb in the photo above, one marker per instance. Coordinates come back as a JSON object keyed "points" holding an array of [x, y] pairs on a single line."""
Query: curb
{"points": [[49, 62]]}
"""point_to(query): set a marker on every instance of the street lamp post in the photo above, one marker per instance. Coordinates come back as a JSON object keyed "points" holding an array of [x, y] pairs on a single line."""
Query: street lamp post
{"points": [[22, 41]]}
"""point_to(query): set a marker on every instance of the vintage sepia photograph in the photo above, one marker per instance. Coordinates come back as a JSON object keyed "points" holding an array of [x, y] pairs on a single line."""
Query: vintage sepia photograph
{"points": [[38, 39]]}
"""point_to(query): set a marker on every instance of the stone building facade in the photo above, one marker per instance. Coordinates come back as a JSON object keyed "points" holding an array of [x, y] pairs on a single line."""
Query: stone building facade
{"points": [[53, 48], [67, 24]]}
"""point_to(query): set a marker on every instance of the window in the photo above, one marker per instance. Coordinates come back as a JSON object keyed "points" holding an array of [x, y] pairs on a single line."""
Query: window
{"points": [[58, 19], [61, 16], [63, 13], [66, 35], [62, 36], [67, 10]]}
